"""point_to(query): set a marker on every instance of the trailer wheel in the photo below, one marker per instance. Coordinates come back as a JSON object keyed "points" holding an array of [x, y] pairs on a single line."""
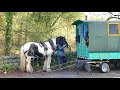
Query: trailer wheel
{"points": [[104, 67]]}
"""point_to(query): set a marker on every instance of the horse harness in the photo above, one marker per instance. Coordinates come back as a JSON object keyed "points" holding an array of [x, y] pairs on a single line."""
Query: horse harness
{"points": [[33, 50], [44, 45], [52, 44]]}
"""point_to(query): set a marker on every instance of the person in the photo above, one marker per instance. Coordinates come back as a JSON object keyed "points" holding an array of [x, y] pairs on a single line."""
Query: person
{"points": [[61, 55]]}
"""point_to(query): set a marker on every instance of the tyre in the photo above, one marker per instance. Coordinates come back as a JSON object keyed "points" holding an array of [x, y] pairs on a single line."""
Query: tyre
{"points": [[104, 67]]}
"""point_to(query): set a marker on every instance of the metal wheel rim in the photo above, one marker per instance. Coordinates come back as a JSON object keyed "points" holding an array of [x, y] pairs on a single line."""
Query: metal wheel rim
{"points": [[105, 68]]}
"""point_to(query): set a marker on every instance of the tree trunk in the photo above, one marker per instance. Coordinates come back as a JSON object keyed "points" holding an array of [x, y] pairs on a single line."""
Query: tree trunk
{"points": [[8, 33]]}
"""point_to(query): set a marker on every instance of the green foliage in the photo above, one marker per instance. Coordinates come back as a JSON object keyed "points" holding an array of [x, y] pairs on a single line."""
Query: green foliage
{"points": [[8, 34], [70, 57], [37, 26], [2, 18], [8, 67]]}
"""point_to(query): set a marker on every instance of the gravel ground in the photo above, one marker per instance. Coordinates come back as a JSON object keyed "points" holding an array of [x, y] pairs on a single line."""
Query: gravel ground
{"points": [[62, 74]]}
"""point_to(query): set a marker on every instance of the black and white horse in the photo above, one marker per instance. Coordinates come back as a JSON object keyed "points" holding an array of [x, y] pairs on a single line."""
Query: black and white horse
{"points": [[44, 49]]}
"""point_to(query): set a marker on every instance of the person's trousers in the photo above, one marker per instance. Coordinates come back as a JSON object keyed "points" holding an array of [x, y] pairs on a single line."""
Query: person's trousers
{"points": [[62, 59]]}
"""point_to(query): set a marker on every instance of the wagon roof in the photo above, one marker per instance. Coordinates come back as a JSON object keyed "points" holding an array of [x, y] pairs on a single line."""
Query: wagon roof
{"points": [[81, 21]]}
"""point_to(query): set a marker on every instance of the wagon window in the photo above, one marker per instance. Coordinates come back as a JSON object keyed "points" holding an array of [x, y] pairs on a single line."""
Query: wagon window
{"points": [[113, 29]]}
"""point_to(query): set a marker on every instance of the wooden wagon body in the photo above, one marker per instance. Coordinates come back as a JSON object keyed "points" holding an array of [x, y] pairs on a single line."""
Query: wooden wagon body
{"points": [[98, 40]]}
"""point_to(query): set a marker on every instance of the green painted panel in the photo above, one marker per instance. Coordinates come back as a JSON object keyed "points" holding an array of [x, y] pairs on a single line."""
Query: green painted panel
{"points": [[98, 44], [118, 55], [99, 41], [119, 43], [113, 44], [94, 56], [98, 29], [82, 50], [113, 55], [104, 55], [98, 37]]}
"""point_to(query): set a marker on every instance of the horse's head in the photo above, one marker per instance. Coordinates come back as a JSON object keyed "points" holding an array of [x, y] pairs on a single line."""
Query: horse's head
{"points": [[62, 41]]}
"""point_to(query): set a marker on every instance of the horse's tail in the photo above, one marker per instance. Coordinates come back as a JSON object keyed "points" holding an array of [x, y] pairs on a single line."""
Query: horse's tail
{"points": [[22, 60]]}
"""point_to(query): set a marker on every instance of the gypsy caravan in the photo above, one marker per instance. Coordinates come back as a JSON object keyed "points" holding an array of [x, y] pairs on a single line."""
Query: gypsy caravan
{"points": [[98, 42]]}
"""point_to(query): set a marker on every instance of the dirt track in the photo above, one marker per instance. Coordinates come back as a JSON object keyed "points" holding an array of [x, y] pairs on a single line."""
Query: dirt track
{"points": [[63, 74]]}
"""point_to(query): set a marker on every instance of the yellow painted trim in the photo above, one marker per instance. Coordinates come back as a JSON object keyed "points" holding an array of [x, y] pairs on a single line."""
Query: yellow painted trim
{"points": [[118, 30]]}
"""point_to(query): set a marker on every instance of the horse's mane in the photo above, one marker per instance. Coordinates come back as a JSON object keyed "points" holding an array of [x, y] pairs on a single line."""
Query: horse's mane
{"points": [[61, 36]]}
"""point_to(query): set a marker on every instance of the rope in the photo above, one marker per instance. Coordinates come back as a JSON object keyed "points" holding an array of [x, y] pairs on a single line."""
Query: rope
{"points": [[64, 67], [60, 68], [62, 64]]}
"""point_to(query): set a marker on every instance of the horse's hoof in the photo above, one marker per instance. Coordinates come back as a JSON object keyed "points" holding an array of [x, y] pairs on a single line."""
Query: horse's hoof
{"points": [[29, 71], [77, 73], [90, 73], [48, 70], [44, 71]]}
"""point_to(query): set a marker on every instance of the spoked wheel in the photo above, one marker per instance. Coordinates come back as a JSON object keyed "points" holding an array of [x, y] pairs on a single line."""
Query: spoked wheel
{"points": [[104, 67]]}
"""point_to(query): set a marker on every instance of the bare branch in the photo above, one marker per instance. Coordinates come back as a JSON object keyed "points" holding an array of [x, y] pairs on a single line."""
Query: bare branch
{"points": [[56, 19]]}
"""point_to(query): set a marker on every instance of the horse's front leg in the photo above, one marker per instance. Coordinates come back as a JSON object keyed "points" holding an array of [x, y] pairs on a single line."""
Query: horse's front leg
{"points": [[29, 66], [48, 63], [45, 65]]}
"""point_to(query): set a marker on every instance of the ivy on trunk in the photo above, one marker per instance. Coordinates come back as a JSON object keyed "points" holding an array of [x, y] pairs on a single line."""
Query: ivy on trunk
{"points": [[8, 33]]}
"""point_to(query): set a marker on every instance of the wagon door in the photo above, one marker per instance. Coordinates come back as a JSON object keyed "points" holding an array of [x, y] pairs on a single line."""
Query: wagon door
{"points": [[81, 36]]}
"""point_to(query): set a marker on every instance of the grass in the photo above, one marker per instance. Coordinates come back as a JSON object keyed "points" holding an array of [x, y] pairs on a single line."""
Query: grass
{"points": [[8, 68], [8, 65]]}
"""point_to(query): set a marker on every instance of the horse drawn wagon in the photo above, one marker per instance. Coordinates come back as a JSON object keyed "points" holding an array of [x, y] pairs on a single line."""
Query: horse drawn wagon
{"points": [[98, 42]]}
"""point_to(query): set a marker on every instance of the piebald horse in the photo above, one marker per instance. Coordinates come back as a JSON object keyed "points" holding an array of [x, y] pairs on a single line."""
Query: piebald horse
{"points": [[44, 49]]}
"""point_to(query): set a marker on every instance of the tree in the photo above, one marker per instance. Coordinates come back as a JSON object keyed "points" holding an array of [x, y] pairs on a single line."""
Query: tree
{"points": [[37, 26], [8, 33]]}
